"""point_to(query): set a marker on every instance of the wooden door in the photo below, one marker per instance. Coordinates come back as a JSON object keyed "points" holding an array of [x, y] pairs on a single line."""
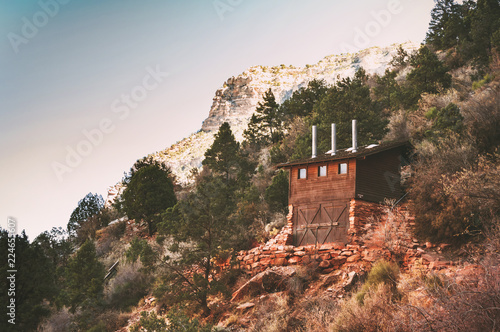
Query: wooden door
{"points": [[321, 223]]}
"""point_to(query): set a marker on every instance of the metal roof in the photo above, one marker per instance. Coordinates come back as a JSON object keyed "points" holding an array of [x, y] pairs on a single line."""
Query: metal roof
{"points": [[362, 151]]}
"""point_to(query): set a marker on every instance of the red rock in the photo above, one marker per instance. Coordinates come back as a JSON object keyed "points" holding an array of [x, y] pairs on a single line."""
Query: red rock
{"points": [[339, 261], [353, 258], [294, 260], [265, 261], [325, 257], [306, 260], [279, 261], [299, 253], [324, 264]]}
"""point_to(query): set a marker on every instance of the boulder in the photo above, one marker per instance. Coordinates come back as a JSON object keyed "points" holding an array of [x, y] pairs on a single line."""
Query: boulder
{"points": [[271, 280]]}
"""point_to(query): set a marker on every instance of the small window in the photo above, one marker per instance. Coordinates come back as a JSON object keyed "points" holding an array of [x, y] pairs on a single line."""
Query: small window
{"points": [[302, 173], [322, 170], [343, 168]]}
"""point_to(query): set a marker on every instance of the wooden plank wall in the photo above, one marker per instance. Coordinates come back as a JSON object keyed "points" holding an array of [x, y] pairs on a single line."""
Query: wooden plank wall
{"points": [[315, 189], [378, 176]]}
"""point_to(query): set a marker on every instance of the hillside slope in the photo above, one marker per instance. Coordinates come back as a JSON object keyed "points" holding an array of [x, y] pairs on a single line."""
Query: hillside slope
{"points": [[237, 99]]}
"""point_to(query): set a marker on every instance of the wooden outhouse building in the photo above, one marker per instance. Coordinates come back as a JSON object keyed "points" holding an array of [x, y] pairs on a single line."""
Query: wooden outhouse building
{"points": [[326, 190]]}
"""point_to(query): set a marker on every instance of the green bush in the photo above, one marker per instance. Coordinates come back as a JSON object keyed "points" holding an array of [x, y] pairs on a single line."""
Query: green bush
{"points": [[149, 322], [478, 84], [381, 273], [141, 248]]}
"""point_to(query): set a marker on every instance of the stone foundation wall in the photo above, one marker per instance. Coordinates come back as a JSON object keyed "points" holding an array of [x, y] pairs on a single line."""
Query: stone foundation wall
{"points": [[362, 216], [376, 232], [280, 251]]}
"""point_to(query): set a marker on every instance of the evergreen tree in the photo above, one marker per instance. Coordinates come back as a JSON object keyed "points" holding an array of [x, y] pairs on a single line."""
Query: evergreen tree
{"points": [[35, 285], [349, 99], [55, 245], [149, 191], [401, 59], [84, 278], [276, 194], [87, 207], [442, 28], [223, 156], [204, 234], [485, 25], [429, 74], [388, 91], [302, 101], [266, 124]]}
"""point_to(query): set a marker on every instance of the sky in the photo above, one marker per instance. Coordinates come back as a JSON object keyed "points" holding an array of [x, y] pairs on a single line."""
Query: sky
{"points": [[87, 87]]}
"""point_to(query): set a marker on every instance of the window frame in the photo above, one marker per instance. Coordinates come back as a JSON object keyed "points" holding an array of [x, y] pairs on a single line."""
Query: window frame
{"points": [[339, 168], [326, 171], [298, 173]]}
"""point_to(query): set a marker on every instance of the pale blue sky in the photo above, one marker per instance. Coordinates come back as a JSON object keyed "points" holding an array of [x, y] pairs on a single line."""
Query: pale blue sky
{"points": [[87, 54]]}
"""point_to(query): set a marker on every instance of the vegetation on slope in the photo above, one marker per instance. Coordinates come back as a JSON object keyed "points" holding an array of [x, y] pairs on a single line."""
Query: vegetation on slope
{"points": [[444, 98]]}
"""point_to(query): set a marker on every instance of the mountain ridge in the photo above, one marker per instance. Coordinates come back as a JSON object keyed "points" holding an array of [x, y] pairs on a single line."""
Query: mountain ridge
{"points": [[235, 101]]}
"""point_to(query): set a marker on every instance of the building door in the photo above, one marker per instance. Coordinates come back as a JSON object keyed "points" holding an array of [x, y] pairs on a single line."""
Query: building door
{"points": [[322, 223]]}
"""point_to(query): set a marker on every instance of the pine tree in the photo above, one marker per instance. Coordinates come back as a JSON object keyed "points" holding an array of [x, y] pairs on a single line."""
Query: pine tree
{"points": [[35, 283], [203, 234], [276, 194], [149, 191], [349, 99], [84, 277], [429, 74], [441, 27], [266, 124], [485, 26], [388, 91], [87, 207], [224, 155], [302, 101]]}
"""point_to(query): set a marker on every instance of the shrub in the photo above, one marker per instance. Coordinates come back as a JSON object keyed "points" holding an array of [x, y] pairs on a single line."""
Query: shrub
{"points": [[478, 84], [381, 273], [149, 322], [438, 217], [59, 321], [177, 321], [117, 230], [127, 287], [272, 315], [314, 315], [375, 314], [141, 248]]}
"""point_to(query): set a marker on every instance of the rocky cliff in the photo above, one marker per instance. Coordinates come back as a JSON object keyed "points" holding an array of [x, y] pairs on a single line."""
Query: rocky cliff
{"points": [[237, 99]]}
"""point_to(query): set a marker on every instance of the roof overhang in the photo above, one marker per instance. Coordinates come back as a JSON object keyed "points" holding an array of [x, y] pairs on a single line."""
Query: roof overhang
{"points": [[347, 154]]}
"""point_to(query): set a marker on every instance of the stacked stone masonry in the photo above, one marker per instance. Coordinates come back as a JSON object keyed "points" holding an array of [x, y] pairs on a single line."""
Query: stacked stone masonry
{"points": [[376, 232]]}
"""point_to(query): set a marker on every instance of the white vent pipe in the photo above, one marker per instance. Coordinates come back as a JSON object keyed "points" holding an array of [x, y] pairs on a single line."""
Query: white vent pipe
{"points": [[314, 143], [354, 137], [334, 139]]}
